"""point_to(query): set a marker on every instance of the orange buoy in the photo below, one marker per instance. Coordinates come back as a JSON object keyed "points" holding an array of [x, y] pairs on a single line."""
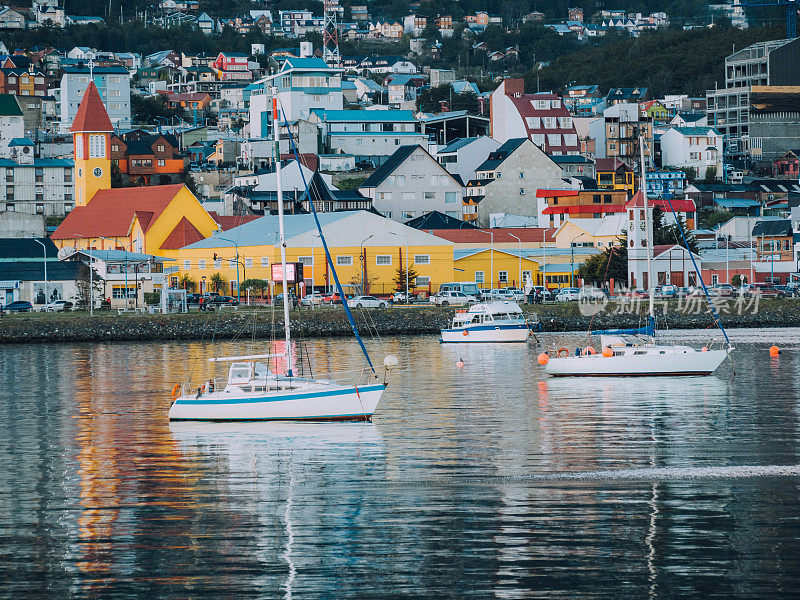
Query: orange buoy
{"points": [[705, 349], [460, 363], [608, 352], [589, 350], [543, 358], [774, 351]]}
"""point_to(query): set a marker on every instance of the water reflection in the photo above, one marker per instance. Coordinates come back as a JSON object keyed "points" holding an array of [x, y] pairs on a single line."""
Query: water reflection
{"points": [[491, 480]]}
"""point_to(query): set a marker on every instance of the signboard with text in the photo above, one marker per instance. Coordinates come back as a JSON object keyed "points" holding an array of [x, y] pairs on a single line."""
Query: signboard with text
{"points": [[294, 272]]}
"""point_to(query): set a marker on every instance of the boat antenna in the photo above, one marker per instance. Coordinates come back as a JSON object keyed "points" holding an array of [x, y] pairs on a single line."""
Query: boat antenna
{"points": [[648, 234], [281, 231], [325, 243]]}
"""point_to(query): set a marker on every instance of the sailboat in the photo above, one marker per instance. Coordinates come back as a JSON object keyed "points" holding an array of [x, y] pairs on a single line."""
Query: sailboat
{"points": [[252, 392], [635, 352]]}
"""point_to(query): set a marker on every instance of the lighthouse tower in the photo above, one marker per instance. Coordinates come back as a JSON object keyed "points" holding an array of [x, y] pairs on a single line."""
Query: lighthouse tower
{"points": [[640, 224], [91, 135]]}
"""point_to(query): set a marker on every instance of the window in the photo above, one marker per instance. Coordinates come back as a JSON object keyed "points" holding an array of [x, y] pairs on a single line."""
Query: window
{"points": [[479, 277], [549, 122], [401, 180], [422, 259], [422, 281], [232, 262], [596, 199], [391, 180], [434, 181], [408, 196], [714, 279], [248, 262], [521, 191], [408, 214], [538, 139], [264, 262], [161, 162], [451, 197], [554, 139], [97, 146], [384, 195], [383, 259], [201, 264], [306, 260], [430, 195], [187, 264], [9, 192], [218, 263], [67, 175], [502, 276], [160, 147], [79, 146], [344, 261], [526, 276], [533, 122]]}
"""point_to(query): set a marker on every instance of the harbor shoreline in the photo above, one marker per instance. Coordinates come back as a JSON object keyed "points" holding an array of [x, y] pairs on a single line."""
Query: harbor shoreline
{"points": [[264, 323]]}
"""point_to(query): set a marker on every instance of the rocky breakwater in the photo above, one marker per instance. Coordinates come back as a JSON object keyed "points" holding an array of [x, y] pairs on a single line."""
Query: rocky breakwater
{"points": [[331, 322]]}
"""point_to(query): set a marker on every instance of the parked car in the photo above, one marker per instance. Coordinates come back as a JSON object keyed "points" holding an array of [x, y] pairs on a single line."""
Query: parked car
{"points": [[543, 291], [311, 300], [222, 301], [368, 302], [591, 293], [519, 295], [567, 294], [58, 306], [452, 298], [277, 299], [18, 306], [667, 291], [401, 298], [486, 294], [503, 294], [333, 298], [767, 290], [788, 291], [724, 289]]}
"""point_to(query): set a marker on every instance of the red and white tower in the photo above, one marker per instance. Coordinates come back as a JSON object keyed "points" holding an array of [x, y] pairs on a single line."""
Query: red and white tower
{"points": [[330, 34]]}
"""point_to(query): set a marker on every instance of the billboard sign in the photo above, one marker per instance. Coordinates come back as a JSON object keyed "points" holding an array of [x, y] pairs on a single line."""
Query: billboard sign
{"points": [[294, 272]]}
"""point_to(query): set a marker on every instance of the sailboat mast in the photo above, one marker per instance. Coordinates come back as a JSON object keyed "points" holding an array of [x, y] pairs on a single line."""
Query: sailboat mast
{"points": [[281, 232], [648, 234]]}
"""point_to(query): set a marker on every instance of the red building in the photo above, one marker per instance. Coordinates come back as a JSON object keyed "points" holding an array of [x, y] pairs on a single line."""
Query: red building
{"points": [[787, 166], [232, 66]]}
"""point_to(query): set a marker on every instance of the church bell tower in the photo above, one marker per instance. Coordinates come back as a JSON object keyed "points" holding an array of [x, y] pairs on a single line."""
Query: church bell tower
{"points": [[91, 136]]}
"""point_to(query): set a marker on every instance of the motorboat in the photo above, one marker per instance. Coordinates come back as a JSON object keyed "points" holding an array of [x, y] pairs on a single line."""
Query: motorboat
{"points": [[496, 321], [253, 392], [635, 356]]}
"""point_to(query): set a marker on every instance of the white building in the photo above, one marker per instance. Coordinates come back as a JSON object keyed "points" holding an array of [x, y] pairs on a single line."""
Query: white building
{"points": [[464, 155], [695, 147], [411, 183], [12, 123], [36, 186], [302, 85], [369, 135], [114, 85]]}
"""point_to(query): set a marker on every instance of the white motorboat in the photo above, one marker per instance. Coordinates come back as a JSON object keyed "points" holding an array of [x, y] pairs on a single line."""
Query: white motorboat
{"points": [[638, 356], [633, 356], [253, 392], [488, 322]]}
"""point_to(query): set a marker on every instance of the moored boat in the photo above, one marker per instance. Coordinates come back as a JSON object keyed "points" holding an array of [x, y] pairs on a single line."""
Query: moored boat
{"points": [[489, 322]]}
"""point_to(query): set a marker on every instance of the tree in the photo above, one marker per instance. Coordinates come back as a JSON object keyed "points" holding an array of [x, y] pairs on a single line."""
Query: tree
{"points": [[256, 285], [711, 174], [612, 263], [82, 281], [350, 183], [187, 179], [217, 282], [430, 100], [187, 283], [664, 234], [400, 278]]}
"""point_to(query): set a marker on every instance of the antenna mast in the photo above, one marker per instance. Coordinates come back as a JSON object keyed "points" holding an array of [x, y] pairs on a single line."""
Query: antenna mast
{"points": [[330, 34]]}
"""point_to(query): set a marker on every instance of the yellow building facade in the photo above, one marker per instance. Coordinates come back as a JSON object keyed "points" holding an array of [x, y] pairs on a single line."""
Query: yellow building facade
{"points": [[502, 269]]}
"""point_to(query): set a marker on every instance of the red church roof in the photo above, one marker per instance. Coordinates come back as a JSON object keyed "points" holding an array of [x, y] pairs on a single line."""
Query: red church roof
{"points": [[91, 115], [110, 213], [184, 234], [226, 222]]}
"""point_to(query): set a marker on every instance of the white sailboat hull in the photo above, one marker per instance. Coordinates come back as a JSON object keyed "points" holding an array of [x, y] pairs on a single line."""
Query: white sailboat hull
{"points": [[486, 333], [686, 362], [337, 404]]}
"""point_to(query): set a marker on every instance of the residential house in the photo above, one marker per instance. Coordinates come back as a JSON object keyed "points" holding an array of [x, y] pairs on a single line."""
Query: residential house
{"points": [[591, 233], [540, 117], [462, 156], [561, 205], [618, 133], [787, 166], [414, 25], [699, 148], [575, 165], [370, 135], [11, 19], [665, 184], [29, 81], [148, 159], [583, 100], [689, 120], [37, 186], [508, 180], [655, 111], [775, 250], [386, 29], [402, 89], [162, 58], [232, 66], [614, 174], [626, 96], [410, 183], [12, 123]]}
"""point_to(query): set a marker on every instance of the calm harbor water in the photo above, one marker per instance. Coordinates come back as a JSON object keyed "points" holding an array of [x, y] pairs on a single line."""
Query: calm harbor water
{"points": [[487, 481]]}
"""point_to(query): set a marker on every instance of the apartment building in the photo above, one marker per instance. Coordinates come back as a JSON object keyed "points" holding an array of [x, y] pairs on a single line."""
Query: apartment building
{"points": [[114, 85]]}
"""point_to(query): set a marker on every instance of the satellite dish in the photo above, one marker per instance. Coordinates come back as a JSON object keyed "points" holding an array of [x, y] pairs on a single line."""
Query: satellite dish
{"points": [[65, 252]]}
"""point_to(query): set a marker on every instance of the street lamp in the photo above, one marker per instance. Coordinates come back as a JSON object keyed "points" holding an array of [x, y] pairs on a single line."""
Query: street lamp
{"points": [[363, 263], [406, 238], [44, 261], [202, 284], [491, 259], [519, 244], [572, 260], [238, 291]]}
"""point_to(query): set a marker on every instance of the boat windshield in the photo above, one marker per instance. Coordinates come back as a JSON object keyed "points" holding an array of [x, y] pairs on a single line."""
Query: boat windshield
{"points": [[239, 373]]}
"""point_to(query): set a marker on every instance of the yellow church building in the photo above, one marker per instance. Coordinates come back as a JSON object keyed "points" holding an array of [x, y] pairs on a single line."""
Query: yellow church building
{"points": [[156, 220]]}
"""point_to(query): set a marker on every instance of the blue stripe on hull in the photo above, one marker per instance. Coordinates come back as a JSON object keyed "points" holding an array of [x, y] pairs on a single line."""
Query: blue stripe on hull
{"points": [[261, 400], [358, 417]]}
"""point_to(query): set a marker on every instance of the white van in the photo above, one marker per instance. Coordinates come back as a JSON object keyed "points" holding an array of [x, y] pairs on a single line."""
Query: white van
{"points": [[470, 288]]}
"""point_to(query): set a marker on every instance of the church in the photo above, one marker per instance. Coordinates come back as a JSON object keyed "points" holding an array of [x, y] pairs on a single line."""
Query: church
{"points": [[156, 220]]}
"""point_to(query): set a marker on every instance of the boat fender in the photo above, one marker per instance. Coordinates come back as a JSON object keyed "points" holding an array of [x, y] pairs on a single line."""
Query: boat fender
{"points": [[466, 332], [608, 352], [589, 350], [204, 388], [543, 358], [577, 351], [562, 352], [175, 391]]}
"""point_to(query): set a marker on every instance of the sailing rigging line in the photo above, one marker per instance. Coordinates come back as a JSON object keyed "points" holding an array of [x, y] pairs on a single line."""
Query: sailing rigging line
{"points": [[322, 238]]}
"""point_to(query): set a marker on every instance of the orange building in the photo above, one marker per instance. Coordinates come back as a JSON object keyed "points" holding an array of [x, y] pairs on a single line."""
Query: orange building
{"points": [[581, 204], [148, 159]]}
